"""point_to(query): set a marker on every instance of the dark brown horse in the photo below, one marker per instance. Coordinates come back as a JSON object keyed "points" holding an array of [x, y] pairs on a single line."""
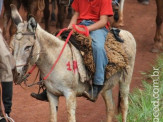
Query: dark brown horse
{"points": [[158, 42], [61, 15], [118, 13], [31, 6]]}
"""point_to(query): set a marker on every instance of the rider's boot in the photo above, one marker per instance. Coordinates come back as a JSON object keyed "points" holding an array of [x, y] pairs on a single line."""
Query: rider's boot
{"points": [[42, 96], [93, 93]]}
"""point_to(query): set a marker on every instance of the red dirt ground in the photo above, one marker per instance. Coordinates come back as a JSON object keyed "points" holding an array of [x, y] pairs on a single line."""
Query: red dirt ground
{"points": [[140, 21]]}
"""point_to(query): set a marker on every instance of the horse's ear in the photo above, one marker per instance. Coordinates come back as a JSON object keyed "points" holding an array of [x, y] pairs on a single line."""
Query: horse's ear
{"points": [[32, 24], [15, 15]]}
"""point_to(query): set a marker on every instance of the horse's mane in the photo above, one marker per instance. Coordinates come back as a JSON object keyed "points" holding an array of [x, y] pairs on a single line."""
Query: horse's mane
{"points": [[49, 44], [47, 38]]}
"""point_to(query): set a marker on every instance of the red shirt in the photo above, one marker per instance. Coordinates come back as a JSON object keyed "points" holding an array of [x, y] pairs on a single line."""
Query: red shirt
{"points": [[92, 9]]}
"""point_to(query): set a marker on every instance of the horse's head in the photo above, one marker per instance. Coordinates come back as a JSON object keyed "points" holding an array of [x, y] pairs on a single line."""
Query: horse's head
{"points": [[24, 43]]}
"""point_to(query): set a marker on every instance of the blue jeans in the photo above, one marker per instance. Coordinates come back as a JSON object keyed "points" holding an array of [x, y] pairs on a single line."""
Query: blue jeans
{"points": [[99, 53], [117, 1]]}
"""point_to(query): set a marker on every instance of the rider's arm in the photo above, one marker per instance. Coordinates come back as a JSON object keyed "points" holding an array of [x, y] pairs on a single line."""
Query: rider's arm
{"points": [[99, 24], [73, 19]]}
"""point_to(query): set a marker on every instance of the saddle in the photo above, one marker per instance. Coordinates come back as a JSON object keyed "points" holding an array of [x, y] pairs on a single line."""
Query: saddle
{"points": [[117, 56]]}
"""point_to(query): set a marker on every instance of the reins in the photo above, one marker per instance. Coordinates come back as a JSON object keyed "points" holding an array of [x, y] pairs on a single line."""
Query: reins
{"points": [[86, 33], [60, 52]]}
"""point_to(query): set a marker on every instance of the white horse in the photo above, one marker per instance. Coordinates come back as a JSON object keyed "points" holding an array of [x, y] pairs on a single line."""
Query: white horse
{"points": [[33, 44]]}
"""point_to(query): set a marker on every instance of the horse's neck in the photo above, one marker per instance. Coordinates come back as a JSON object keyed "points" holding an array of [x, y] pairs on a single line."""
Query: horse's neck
{"points": [[49, 45], [47, 40]]}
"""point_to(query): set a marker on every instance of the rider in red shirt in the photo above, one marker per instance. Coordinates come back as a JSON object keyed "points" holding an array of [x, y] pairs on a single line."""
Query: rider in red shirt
{"points": [[94, 15], [92, 9]]}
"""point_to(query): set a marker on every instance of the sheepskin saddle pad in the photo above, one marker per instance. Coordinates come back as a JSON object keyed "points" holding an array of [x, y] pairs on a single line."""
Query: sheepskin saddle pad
{"points": [[116, 54]]}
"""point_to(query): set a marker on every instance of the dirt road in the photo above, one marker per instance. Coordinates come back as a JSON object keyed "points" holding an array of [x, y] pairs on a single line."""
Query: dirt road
{"points": [[140, 21]]}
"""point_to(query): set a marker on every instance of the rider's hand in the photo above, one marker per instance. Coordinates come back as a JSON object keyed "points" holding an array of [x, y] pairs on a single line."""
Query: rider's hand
{"points": [[70, 26], [79, 28]]}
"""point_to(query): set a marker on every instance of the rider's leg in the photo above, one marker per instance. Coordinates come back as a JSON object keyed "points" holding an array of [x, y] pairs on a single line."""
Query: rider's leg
{"points": [[99, 56], [100, 59]]}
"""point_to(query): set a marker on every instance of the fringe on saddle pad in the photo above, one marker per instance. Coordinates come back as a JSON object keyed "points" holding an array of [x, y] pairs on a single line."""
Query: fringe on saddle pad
{"points": [[116, 54]]}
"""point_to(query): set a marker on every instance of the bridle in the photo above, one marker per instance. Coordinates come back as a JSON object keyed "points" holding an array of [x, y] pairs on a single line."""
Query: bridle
{"points": [[19, 36]]}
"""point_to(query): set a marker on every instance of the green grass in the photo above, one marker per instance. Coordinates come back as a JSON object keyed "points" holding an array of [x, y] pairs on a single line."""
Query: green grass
{"points": [[140, 101]]}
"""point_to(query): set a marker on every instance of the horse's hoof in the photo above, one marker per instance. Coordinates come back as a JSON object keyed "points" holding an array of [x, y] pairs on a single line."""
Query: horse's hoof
{"points": [[3, 120], [144, 2]]}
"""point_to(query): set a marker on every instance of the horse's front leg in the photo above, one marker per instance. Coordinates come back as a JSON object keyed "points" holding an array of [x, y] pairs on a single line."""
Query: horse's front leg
{"points": [[120, 21], [53, 11], [53, 102], [46, 15], [60, 15], [71, 106], [157, 38]]}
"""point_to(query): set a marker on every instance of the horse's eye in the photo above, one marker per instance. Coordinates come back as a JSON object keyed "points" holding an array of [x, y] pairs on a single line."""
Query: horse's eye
{"points": [[12, 52], [27, 48]]}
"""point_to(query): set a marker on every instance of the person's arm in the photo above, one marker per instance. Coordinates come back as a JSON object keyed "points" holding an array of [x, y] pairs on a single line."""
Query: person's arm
{"points": [[73, 19], [99, 24]]}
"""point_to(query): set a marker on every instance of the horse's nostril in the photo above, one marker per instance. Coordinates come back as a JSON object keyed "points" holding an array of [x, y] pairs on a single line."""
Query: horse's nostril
{"points": [[25, 68], [18, 74]]}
